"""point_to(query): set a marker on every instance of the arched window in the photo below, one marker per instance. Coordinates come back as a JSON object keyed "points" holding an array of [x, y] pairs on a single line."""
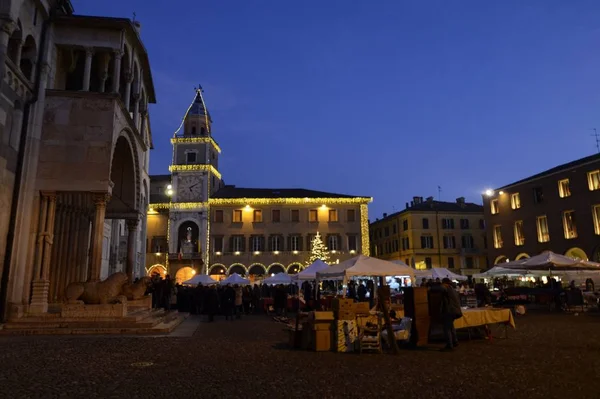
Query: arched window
{"points": [[193, 129]]}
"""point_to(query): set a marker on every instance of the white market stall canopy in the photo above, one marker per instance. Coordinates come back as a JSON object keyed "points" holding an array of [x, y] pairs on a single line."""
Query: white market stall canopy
{"points": [[551, 261], [279, 278], [310, 273], [365, 266], [235, 279], [441, 273], [200, 279], [500, 271]]}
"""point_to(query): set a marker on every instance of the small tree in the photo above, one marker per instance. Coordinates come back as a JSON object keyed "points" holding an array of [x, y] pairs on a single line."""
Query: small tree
{"points": [[318, 251]]}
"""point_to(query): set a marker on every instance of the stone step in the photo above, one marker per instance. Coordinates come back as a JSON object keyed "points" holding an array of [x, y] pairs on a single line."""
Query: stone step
{"points": [[163, 324], [135, 316]]}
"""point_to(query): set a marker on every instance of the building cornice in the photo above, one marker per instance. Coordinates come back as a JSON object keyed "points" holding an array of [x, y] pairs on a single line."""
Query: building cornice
{"points": [[195, 168]]}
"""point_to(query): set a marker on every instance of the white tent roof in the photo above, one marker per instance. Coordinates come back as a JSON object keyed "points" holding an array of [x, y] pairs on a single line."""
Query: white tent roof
{"points": [[500, 271], [365, 266], [235, 279], [279, 278], [310, 273], [439, 272], [200, 279], [548, 260]]}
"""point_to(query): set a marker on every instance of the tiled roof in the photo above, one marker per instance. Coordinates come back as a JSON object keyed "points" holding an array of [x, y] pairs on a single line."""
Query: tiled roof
{"points": [[556, 169], [439, 206], [239, 192]]}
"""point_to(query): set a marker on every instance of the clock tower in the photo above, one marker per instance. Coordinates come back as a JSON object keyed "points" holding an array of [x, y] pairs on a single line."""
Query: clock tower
{"points": [[194, 177]]}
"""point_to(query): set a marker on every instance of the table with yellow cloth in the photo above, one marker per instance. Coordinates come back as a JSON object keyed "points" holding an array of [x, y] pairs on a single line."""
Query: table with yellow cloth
{"points": [[483, 317]]}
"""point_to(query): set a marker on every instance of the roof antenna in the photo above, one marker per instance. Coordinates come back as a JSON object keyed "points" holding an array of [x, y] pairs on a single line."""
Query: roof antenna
{"points": [[439, 193], [597, 137], [133, 17]]}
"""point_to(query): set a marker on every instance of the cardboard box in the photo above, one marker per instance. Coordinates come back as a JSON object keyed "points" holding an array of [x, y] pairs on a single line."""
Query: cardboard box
{"points": [[345, 315], [338, 304], [323, 316], [362, 308], [322, 326], [345, 336], [322, 340]]}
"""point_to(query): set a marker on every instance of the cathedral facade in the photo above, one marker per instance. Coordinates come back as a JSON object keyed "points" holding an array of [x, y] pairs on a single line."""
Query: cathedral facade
{"points": [[75, 140], [198, 224]]}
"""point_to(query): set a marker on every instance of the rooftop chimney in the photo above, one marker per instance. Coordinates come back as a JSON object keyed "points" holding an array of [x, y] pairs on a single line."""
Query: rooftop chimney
{"points": [[430, 199], [417, 200], [460, 200], [384, 215], [407, 205]]}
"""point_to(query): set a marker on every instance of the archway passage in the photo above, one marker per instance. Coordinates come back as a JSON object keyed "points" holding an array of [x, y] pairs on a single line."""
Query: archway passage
{"points": [[522, 256], [217, 270], [257, 270], [294, 268], [123, 176], [576, 253], [157, 269], [500, 259], [239, 269], [187, 237], [184, 274], [276, 268]]}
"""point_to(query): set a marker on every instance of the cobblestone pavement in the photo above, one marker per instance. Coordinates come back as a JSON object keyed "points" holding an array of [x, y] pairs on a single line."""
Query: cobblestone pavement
{"points": [[548, 356]]}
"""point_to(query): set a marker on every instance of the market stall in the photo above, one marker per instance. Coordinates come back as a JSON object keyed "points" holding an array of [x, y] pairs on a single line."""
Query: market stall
{"points": [[235, 278], [201, 279]]}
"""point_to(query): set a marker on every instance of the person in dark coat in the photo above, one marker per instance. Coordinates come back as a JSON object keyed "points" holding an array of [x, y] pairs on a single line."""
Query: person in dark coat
{"points": [[450, 311], [211, 302], [361, 292]]}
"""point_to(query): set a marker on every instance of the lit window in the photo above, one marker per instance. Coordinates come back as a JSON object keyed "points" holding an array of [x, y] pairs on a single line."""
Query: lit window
{"points": [[313, 215], [257, 216], [542, 229], [427, 242], [449, 241], [563, 188], [596, 212], [519, 236], [569, 225], [515, 201], [333, 215], [494, 206], [237, 216], [257, 243], [276, 243], [594, 180], [497, 236], [332, 243], [237, 243], [294, 243]]}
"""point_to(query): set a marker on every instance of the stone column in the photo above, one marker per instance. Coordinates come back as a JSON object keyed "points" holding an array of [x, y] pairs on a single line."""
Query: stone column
{"points": [[128, 81], [143, 114], [66, 248], [100, 201], [117, 71], [55, 259], [89, 53], [40, 285], [131, 246], [136, 109]]}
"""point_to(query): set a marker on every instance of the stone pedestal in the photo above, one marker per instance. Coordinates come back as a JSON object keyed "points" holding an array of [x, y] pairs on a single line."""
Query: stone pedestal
{"points": [[143, 303], [94, 311], [39, 297]]}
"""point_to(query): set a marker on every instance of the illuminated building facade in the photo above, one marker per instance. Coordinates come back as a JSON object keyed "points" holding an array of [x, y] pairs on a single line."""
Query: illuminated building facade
{"points": [[432, 233], [556, 210], [196, 223]]}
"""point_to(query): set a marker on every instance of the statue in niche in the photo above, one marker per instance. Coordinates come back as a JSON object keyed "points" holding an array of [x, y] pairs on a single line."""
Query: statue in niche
{"points": [[188, 237]]}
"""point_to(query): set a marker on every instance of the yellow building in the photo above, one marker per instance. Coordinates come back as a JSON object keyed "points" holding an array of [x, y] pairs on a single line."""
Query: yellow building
{"points": [[433, 234], [196, 223]]}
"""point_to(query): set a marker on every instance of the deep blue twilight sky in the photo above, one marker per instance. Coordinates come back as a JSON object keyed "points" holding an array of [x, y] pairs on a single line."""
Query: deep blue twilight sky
{"points": [[380, 98]]}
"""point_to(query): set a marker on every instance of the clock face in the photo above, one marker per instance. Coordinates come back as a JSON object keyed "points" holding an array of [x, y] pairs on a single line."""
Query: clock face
{"points": [[189, 188]]}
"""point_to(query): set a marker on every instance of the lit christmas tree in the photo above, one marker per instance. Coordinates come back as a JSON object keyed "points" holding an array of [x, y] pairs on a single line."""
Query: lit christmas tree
{"points": [[318, 251]]}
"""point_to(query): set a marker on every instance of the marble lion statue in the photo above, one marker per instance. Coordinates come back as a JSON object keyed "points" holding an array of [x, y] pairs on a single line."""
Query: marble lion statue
{"points": [[136, 290], [97, 292]]}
